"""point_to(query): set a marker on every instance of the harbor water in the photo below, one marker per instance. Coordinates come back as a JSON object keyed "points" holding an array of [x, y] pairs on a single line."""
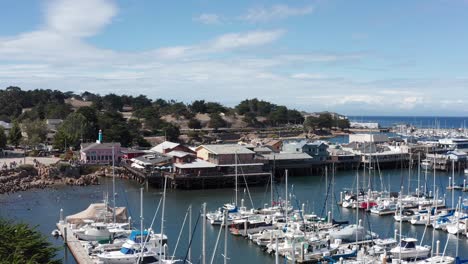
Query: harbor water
{"points": [[41, 208]]}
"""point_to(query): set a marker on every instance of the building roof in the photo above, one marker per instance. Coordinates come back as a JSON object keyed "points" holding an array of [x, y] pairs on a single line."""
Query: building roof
{"points": [[90, 146], [151, 159], [165, 145], [196, 164], [317, 143], [263, 149], [179, 154], [287, 156], [227, 149], [273, 142]]}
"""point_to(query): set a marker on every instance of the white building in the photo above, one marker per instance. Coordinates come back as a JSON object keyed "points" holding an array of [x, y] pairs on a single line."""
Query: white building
{"points": [[366, 138]]}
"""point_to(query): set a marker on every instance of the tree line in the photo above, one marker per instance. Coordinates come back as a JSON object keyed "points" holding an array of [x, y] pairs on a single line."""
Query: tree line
{"points": [[27, 110]]}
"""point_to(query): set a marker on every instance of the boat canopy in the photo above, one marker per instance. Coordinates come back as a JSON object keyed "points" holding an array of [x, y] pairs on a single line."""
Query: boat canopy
{"points": [[98, 212]]}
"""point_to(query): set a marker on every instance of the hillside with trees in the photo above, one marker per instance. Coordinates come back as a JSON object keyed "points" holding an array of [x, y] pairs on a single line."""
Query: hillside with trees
{"points": [[129, 119]]}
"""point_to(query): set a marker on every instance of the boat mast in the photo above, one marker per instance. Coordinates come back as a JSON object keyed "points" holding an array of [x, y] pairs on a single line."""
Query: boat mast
{"points": [[419, 174], [273, 179], [113, 183], [141, 222], [357, 204], [162, 218], [204, 235], [326, 187], [286, 199], [236, 189], [190, 234], [453, 183], [410, 163], [333, 190], [225, 235]]}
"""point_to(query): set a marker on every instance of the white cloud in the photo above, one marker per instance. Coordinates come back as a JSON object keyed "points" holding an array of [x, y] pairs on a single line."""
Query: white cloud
{"points": [[240, 40], [81, 18], [307, 76], [56, 57], [265, 14], [208, 19]]}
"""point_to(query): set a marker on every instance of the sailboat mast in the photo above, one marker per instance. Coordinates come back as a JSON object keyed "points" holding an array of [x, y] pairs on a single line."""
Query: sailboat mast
{"points": [[333, 190], [204, 235], [272, 180], [326, 187], [190, 234], [113, 183], [357, 203], [236, 188], [141, 221], [453, 183], [225, 235], [419, 173], [286, 199], [162, 217]]}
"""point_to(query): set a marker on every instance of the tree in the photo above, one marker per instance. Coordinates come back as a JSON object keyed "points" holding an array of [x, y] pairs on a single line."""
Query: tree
{"points": [[112, 102], [194, 123], [90, 114], [216, 121], [279, 116], [325, 120], [114, 128], [36, 131], [71, 131], [3, 138], [15, 134], [172, 132], [198, 106], [20, 243]]}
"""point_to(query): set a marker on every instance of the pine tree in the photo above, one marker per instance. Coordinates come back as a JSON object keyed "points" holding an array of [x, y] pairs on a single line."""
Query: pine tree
{"points": [[20, 243], [15, 135]]}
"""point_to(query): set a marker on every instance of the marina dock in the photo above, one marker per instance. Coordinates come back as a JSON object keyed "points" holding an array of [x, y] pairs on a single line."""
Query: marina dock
{"points": [[75, 246]]}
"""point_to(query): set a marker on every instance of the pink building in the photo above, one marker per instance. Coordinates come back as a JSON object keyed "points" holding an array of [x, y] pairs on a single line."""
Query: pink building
{"points": [[100, 153]]}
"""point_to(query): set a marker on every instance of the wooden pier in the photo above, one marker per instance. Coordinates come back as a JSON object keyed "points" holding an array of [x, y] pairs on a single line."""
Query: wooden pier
{"points": [[75, 246]]}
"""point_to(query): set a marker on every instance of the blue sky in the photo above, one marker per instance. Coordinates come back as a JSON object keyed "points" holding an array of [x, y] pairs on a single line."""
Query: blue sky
{"points": [[370, 57]]}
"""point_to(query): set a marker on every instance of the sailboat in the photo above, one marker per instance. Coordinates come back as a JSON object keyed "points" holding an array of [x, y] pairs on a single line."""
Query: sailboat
{"points": [[143, 246]]}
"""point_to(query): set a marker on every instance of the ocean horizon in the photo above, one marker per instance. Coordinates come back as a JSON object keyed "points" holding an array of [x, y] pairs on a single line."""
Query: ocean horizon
{"points": [[417, 121]]}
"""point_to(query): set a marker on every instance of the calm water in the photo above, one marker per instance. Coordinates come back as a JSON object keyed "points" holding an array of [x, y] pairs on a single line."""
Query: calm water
{"points": [[418, 121], [41, 207]]}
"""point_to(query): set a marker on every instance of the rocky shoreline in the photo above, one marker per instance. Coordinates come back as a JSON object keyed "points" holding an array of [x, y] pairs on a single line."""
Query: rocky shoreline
{"points": [[40, 176]]}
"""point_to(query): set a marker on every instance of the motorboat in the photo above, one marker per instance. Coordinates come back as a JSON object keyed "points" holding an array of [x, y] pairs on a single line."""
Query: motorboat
{"points": [[408, 249], [140, 247], [96, 231]]}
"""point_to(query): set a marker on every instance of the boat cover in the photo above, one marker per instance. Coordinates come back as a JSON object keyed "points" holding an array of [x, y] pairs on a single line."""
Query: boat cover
{"points": [[99, 212]]}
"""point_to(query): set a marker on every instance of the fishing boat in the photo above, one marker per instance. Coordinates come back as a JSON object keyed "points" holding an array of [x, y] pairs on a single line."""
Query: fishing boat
{"points": [[409, 250]]}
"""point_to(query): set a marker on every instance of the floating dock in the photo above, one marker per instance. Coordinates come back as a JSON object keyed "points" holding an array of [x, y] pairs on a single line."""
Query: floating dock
{"points": [[75, 246]]}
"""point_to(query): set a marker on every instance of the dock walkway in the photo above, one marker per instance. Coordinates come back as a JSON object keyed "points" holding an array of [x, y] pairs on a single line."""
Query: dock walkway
{"points": [[75, 246]]}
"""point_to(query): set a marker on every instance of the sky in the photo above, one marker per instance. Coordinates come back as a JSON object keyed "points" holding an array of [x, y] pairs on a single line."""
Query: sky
{"points": [[364, 57]]}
